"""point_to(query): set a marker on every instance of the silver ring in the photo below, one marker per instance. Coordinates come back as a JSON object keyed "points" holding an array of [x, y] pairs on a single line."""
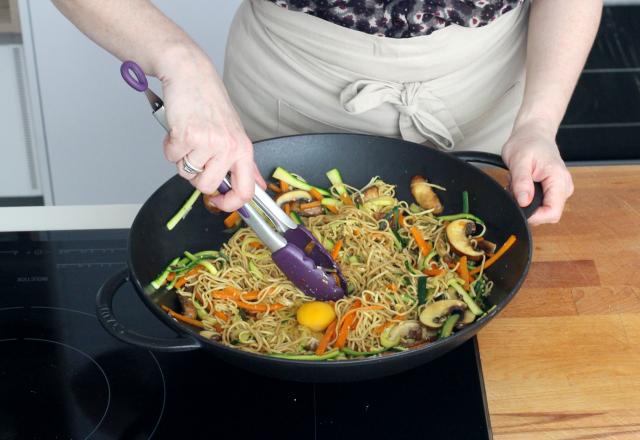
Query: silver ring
{"points": [[188, 167]]}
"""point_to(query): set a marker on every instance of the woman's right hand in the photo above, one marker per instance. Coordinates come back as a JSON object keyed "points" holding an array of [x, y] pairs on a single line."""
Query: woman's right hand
{"points": [[205, 127]]}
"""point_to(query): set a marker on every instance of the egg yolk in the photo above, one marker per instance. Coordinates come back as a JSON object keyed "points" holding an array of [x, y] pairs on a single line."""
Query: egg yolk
{"points": [[316, 315]]}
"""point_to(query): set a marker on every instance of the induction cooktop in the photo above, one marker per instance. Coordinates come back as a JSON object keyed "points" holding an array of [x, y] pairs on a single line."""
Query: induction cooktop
{"points": [[63, 377]]}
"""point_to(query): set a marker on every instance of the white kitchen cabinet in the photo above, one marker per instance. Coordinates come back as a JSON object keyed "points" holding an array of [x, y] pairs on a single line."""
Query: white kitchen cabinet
{"points": [[102, 143], [19, 176]]}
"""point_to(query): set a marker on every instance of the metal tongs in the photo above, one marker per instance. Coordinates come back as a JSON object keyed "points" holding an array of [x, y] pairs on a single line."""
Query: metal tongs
{"points": [[316, 274]]}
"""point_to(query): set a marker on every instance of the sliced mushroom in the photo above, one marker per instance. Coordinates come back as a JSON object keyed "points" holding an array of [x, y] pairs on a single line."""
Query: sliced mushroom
{"points": [[451, 293], [435, 314], [488, 246], [466, 319], [442, 249], [458, 232], [293, 196], [448, 259], [424, 194], [188, 309], [380, 202], [370, 193], [309, 212], [391, 336], [208, 204], [312, 344]]}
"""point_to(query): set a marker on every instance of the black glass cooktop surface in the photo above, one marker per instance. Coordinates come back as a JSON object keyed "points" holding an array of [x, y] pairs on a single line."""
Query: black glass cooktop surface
{"points": [[63, 377]]}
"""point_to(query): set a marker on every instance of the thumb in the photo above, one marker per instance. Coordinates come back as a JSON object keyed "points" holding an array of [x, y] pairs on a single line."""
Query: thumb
{"points": [[522, 182]]}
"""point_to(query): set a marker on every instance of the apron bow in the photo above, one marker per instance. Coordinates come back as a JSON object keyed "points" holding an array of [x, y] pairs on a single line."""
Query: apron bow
{"points": [[423, 117]]}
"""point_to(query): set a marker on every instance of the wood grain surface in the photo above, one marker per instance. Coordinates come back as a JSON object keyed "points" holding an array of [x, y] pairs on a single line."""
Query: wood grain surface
{"points": [[563, 359]]}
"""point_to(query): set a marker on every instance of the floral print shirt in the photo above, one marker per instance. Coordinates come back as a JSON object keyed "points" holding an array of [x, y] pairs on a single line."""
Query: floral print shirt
{"points": [[402, 18]]}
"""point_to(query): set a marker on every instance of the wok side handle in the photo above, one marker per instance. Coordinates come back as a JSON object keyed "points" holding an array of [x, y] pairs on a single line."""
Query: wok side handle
{"points": [[495, 160], [104, 309]]}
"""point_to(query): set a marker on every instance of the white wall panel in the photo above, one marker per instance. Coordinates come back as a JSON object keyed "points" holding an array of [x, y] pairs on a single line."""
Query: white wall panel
{"points": [[103, 144], [19, 176]]}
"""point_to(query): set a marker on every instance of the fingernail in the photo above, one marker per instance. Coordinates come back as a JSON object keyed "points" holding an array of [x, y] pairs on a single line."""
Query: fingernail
{"points": [[523, 198]]}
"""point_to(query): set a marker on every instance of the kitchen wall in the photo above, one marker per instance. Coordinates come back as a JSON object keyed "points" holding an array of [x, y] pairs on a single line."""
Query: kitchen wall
{"points": [[603, 118], [103, 145]]}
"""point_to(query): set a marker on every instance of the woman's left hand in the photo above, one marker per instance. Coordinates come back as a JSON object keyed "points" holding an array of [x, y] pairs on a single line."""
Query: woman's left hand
{"points": [[532, 155]]}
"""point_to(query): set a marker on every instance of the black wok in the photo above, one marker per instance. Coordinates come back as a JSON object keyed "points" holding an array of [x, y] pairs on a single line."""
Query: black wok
{"points": [[359, 157]]}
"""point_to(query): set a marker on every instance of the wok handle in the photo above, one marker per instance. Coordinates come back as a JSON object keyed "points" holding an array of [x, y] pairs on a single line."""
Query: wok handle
{"points": [[495, 160], [107, 318]]}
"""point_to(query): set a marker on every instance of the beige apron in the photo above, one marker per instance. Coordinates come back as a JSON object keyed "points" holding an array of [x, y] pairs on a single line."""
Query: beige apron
{"points": [[458, 88]]}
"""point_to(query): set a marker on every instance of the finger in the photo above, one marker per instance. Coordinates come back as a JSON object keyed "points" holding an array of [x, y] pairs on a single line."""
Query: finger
{"points": [[570, 187], [183, 173], [522, 182], [174, 148], [258, 177], [199, 156], [214, 171], [242, 186], [555, 196]]}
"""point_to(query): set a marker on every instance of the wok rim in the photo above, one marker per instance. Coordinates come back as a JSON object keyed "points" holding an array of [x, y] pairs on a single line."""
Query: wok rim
{"points": [[219, 349]]}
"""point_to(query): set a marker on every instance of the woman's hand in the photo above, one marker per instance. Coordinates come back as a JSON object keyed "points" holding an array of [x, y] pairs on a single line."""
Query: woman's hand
{"points": [[205, 127], [532, 155]]}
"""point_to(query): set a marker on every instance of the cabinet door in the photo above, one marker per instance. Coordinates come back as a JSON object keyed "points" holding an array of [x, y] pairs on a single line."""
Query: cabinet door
{"points": [[19, 176], [103, 144]]}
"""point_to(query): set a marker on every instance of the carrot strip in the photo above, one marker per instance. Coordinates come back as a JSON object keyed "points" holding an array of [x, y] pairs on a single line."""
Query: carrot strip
{"points": [[332, 209], [401, 222], [424, 247], [221, 315], [181, 282], [259, 307], [346, 199], [185, 319], [316, 194], [275, 188], [359, 308], [232, 293], [256, 245], [310, 205], [328, 334], [463, 271], [284, 187], [350, 321], [505, 247], [309, 247], [232, 219], [392, 287], [192, 272], [171, 276], [379, 329], [433, 272], [336, 249], [356, 232], [347, 321], [251, 295], [287, 208]]}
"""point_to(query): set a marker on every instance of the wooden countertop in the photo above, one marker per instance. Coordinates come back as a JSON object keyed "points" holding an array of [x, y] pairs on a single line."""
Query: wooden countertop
{"points": [[563, 359]]}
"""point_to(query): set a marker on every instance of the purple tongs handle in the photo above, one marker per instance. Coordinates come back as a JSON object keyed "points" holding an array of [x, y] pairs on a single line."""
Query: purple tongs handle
{"points": [[134, 76]]}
